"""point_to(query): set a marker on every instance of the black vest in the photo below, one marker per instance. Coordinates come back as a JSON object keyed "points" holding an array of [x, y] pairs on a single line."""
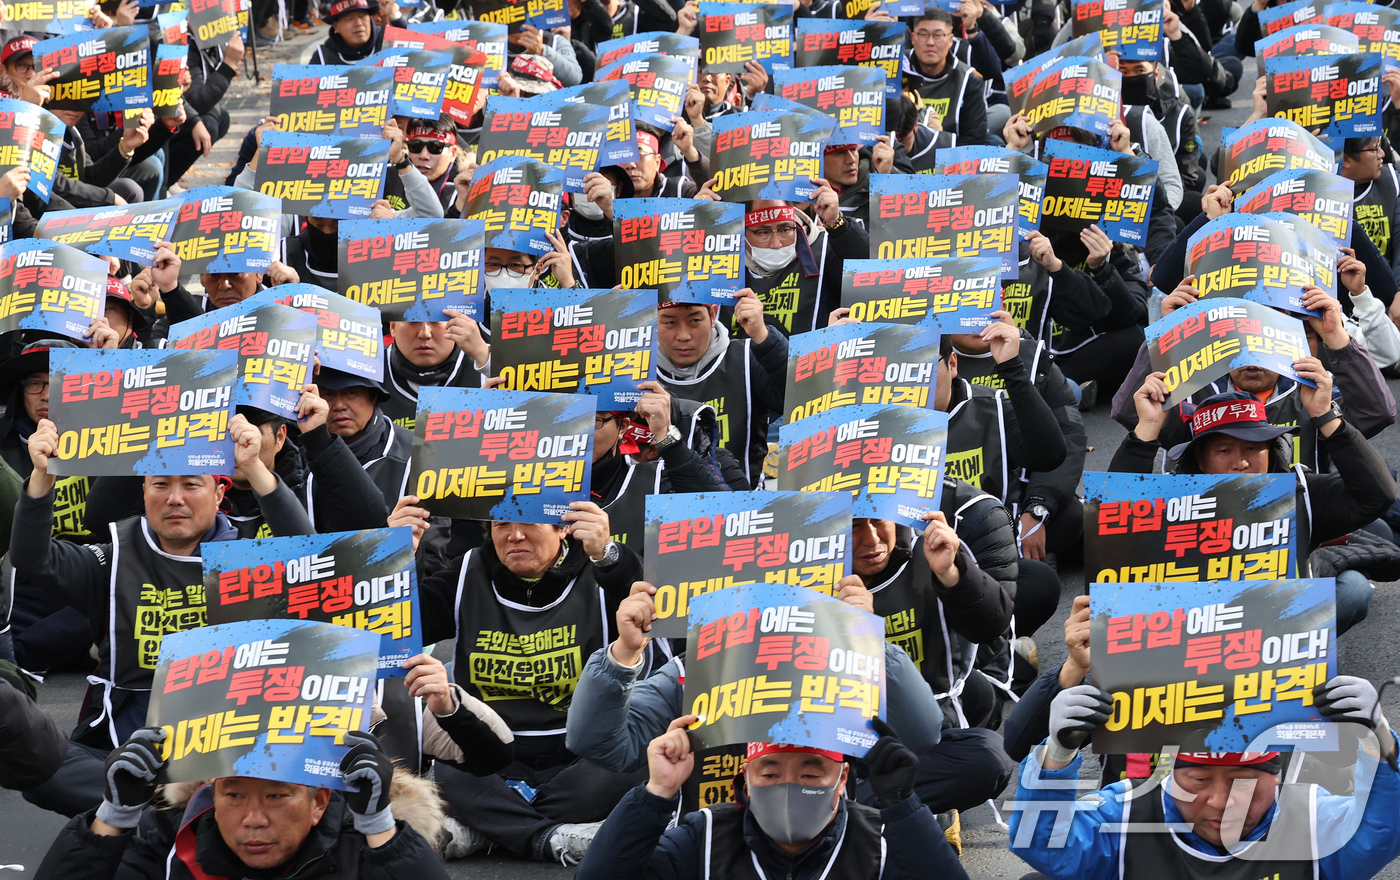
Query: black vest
{"points": [[627, 508], [791, 298], [524, 662], [977, 441], [728, 387], [859, 853], [1164, 856], [1375, 210], [1019, 297], [294, 255], [402, 405], [152, 594]]}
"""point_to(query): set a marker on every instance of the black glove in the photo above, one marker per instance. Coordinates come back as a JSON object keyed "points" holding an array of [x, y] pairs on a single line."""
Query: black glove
{"points": [[130, 778], [893, 767], [368, 772]]}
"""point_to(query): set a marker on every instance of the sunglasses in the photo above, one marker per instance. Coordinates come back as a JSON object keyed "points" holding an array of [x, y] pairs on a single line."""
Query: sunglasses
{"points": [[434, 147]]}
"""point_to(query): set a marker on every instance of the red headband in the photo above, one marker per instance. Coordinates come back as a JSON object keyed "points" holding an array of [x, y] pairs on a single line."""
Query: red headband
{"points": [[1227, 759], [432, 134], [764, 216], [1226, 413], [347, 5], [758, 750], [833, 149], [533, 70], [669, 304], [650, 141]]}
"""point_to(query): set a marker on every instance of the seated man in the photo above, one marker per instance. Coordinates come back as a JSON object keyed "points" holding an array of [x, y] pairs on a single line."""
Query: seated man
{"points": [[951, 89], [381, 447], [439, 354], [793, 819], [242, 826], [354, 35]]}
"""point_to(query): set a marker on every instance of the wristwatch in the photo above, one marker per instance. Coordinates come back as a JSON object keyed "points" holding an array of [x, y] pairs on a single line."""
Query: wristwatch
{"points": [[611, 554], [669, 439], [1330, 416], [1038, 511], [403, 163]]}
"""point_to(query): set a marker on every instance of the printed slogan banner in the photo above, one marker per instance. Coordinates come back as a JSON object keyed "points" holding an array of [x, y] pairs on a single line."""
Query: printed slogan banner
{"points": [[1021, 78], [51, 16], [1087, 186], [1199, 343], [768, 154], [107, 71], [890, 458], [1147, 528], [777, 663], [127, 232], [688, 250], [518, 456], [853, 96], [801, 539], [878, 44], [1376, 28], [1310, 39], [420, 80], [412, 270], [733, 34], [322, 175], [349, 336], [365, 580], [485, 37], [464, 74], [1289, 15], [1132, 27], [1265, 146], [331, 99], [172, 62], [850, 364], [657, 84], [31, 137], [647, 43], [1340, 94], [226, 229], [266, 698], [917, 216], [518, 200], [149, 411], [1000, 160], [599, 342], [515, 14], [558, 130], [1267, 258], [275, 344], [1207, 666], [1078, 92], [212, 22], [1321, 198], [49, 286], [952, 294]]}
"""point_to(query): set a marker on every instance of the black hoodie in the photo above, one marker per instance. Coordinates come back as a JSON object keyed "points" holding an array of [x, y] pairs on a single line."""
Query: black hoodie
{"points": [[335, 50]]}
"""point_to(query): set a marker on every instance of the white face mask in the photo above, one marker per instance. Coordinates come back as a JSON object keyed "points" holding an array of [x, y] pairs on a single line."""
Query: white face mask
{"points": [[504, 280], [585, 208], [772, 259]]}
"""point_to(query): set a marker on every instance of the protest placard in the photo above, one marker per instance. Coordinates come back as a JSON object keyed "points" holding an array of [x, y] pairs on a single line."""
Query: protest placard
{"points": [[515, 14], [598, 342], [485, 37], [1207, 666], [577, 130], [1001, 160], [1375, 27], [852, 96], [733, 34], [1265, 146], [768, 154], [1321, 198], [1287, 15], [1340, 94], [918, 216], [1077, 92], [420, 79], [850, 364], [890, 458], [517, 199], [275, 344], [148, 411], [1087, 186], [647, 43], [777, 663], [174, 26], [878, 44], [226, 229], [172, 62], [365, 580], [1190, 527], [657, 84], [1199, 343], [411, 270], [331, 98], [107, 70], [1020, 78], [1307, 39], [31, 137], [1267, 258], [322, 175], [701, 542], [349, 335], [516, 456], [212, 22], [48, 16], [952, 294], [1131, 27], [689, 250], [49, 286], [272, 699], [465, 74], [127, 232]]}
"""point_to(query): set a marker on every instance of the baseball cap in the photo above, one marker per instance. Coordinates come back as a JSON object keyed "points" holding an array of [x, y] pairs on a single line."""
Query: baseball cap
{"points": [[534, 74], [17, 46], [117, 290], [345, 7], [1233, 413], [758, 750]]}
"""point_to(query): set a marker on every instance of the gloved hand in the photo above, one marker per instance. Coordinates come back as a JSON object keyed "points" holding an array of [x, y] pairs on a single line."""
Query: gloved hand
{"points": [[1074, 714], [893, 767], [368, 772], [130, 778], [1348, 698]]}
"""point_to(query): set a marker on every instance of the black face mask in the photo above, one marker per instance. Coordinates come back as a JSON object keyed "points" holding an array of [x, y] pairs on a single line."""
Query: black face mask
{"points": [[321, 247], [1140, 89]]}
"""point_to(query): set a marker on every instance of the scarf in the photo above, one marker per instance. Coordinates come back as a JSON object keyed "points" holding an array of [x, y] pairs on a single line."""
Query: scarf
{"points": [[535, 592], [370, 444], [719, 341], [410, 377]]}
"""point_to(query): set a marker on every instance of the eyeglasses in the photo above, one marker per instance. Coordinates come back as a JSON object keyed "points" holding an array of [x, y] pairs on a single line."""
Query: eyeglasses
{"points": [[22, 66], [930, 36], [34, 385], [514, 270], [1374, 148], [762, 234], [434, 147], [600, 420]]}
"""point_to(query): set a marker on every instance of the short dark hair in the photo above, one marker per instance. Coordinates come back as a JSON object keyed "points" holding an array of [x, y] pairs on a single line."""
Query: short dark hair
{"points": [[908, 116], [1354, 147], [259, 417], [442, 123], [945, 346], [933, 13]]}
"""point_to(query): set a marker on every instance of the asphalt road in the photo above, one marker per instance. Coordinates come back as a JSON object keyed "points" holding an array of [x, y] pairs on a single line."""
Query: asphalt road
{"points": [[1369, 650]]}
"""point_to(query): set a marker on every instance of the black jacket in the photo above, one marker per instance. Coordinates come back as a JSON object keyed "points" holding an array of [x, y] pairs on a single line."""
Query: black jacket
{"points": [[32, 748], [335, 51]]}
